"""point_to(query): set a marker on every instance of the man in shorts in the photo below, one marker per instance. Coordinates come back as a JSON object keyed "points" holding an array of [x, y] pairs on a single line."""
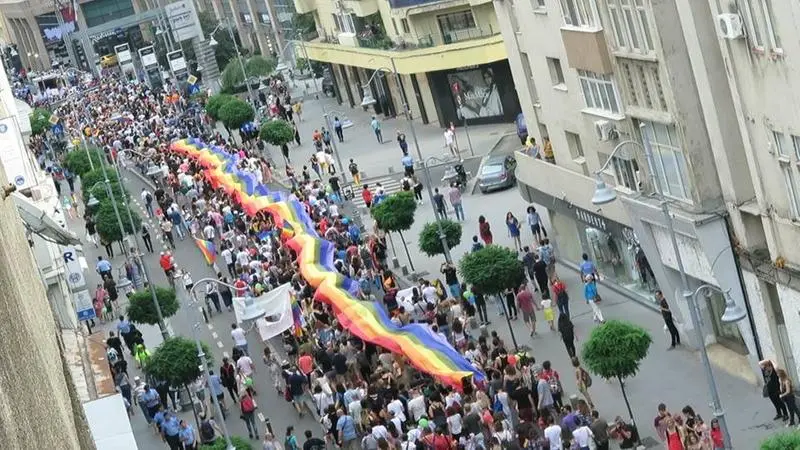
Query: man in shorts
{"points": [[527, 305]]}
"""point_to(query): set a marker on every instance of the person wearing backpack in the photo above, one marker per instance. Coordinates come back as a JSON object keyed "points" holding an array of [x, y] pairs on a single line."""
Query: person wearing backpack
{"points": [[554, 381], [355, 172], [290, 441], [209, 430], [583, 380], [248, 407]]}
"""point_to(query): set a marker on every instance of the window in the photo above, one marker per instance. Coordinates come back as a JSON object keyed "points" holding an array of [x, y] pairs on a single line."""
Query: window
{"points": [[599, 91], [670, 165], [394, 26], [631, 25], [796, 146], [404, 25], [526, 69], [626, 171], [457, 26], [769, 21], [556, 73], [348, 25], [791, 191], [574, 144], [580, 13], [780, 148], [538, 5], [642, 81], [248, 19], [751, 21], [337, 22]]}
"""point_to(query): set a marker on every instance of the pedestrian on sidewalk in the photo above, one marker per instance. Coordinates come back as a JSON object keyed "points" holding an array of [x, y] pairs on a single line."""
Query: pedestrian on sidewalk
{"points": [[666, 313], [366, 195], [248, 407], [560, 293], [337, 128], [417, 185], [296, 136], [484, 230], [91, 231], [454, 195], [438, 203], [592, 298], [401, 141], [376, 128], [103, 267], [354, 172], [147, 199], [527, 305], [535, 223], [787, 395], [540, 275], [583, 380], [772, 389], [450, 141], [567, 331], [148, 243], [166, 230], [408, 164], [513, 230], [587, 267]]}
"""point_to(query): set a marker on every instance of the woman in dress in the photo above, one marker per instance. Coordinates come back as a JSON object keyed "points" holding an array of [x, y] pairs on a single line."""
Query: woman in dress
{"points": [[484, 230], [513, 230]]}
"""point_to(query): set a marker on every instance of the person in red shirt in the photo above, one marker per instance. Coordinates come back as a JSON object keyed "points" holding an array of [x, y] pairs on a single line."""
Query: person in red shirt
{"points": [[526, 304], [167, 263], [438, 440], [306, 365], [560, 294], [551, 376], [484, 230], [366, 194]]}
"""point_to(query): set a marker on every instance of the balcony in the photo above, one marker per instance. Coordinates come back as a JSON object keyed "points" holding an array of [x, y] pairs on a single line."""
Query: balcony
{"points": [[361, 8], [587, 50], [449, 37], [305, 6]]}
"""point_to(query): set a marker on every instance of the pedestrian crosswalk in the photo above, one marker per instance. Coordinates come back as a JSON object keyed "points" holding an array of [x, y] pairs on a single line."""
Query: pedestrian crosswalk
{"points": [[390, 184]]}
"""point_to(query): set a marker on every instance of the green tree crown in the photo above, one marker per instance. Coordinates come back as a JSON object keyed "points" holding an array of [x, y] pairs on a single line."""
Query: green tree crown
{"points": [[107, 225], [396, 212], [40, 121], [276, 132], [782, 441], [219, 444], [236, 113], [142, 310], [215, 102], [429, 241], [176, 361], [255, 66], [492, 269], [101, 194], [77, 161], [615, 349]]}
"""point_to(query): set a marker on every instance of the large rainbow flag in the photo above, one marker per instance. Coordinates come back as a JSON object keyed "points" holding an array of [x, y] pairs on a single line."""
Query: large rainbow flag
{"points": [[367, 320]]}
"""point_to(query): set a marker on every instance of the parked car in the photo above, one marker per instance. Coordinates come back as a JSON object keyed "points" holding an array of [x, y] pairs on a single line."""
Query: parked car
{"points": [[498, 172], [109, 60]]}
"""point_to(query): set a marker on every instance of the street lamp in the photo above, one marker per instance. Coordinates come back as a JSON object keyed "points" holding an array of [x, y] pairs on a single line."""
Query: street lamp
{"points": [[733, 313], [369, 100], [213, 43]]}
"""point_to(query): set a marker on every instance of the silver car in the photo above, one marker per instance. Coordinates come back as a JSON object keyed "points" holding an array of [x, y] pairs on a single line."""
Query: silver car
{"points": [[498, 172]]}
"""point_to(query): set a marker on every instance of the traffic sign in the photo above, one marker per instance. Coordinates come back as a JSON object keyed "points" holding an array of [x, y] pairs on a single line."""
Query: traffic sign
{"points": [[83, 305], [192, 79]]}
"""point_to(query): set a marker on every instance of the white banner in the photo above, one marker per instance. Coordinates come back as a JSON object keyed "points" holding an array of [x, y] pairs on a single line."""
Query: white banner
{"points": [[183, 20], [148, 57], [13, 157], [75, 278], [177, 63]]}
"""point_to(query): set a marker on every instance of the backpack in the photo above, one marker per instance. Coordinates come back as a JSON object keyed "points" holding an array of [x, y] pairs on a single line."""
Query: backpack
{"points": [[290, 443], [353, 168], [497, 405], [555, 384], [148, 198], [206, 431], [247, 404], [586, 378], [112, 356], [406, 184]]}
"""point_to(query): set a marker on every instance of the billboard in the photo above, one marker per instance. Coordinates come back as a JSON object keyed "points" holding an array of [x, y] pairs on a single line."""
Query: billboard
{"points": [[476, 93], [123, 52], [183, 20], [177, 63], [148, 57], [13, 155]]}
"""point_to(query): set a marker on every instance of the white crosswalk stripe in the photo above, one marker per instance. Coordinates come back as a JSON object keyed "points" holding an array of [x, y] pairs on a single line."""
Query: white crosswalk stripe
{"points": [[390, 186]]}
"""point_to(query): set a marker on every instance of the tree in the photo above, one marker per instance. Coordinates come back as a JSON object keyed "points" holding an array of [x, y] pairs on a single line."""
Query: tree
{"points": [[236, 113], [260, 66], [614, 350], [492, 269], [107, 225], [91, 179], [215, 102], [176, 361], [277, 132], [142, 310], [781, 441], [303, 22], [77, 161], [255, 66], [304, 65], [101, 193], [219, 444], [429, 241], [40, 121], [225, 49], [396, 213]]}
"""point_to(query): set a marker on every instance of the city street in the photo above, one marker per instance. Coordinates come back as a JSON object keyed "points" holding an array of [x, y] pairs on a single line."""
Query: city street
{"points": [[673, 377]]}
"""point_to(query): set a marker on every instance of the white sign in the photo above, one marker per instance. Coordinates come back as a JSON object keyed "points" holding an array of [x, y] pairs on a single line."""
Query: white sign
{"points": [[74, 271], [148, 57], [177, 63], [123, 53], [83, 305], [183, 20], [13, 155]]}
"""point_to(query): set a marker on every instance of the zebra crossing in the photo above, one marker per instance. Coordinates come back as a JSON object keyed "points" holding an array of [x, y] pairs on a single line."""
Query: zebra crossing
{"points": [[390, 184]]}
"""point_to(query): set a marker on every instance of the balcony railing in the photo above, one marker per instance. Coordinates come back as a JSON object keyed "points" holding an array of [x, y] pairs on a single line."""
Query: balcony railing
{"points": [[407, 43], [466, 34], [376, 42]]}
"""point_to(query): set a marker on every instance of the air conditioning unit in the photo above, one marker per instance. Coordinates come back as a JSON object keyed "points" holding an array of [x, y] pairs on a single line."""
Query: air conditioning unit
{"points": [[729, 26], [605, 130]]}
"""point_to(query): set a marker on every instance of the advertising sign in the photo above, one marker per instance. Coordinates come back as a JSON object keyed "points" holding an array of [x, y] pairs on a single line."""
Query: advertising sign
{"points": [[74, 271], [123, 53], [148, 57], [183, 20], [83, 305], [177, 63]]}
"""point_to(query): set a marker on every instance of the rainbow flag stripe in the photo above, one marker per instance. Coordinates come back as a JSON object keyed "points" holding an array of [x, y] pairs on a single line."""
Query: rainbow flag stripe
{"points": [[208, 249], [367, 320]]}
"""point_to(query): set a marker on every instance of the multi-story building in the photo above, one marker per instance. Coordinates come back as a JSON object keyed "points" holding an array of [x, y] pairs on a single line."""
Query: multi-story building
{"points": [[598, 78], [449, 56], [757, 39]]}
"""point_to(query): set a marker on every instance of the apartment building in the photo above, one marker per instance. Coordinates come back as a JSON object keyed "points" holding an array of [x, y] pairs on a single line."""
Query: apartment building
{"points": [[449, 55], [757, 39], [596, 78]]}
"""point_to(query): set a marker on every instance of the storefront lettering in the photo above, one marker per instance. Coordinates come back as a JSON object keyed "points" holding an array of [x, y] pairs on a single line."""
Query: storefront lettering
{"points": [[593, 220]]}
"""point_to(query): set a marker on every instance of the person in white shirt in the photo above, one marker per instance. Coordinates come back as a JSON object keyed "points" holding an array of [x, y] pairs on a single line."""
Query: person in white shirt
{"points": [[245, 364], [209, 232], [333, 210], [239, 338], [553, 433], [380, 431], [243, 258], [416, 406], [583, 437], [396, 407], [227, 256], [429, 292]]}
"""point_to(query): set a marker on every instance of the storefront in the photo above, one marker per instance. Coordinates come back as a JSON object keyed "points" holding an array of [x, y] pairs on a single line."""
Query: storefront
{"points": [[612, 246], [479, 94]]}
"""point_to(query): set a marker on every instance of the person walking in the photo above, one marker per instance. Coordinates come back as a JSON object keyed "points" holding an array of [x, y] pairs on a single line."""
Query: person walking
{"points": [[91, 231], [148, 243], [227, 375], [535, 224], [438, 203], [408, 165], [484, 230], [454, 194], [527, 304], [239, 338], [513, 230], [187, 436], [567, 331], [666, 313], [338, 129], [587, 267], [787, 395], [450, 142], [772, 389], [583, 380], [346, 429], [355, 173], [166, 230], [376, 128], [592, 298], [248, 407], [417, 186], [401, 141], [560, 293]]}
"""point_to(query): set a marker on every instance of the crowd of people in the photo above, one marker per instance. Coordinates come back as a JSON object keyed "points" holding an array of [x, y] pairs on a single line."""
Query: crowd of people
{"points": [[364, 396]]}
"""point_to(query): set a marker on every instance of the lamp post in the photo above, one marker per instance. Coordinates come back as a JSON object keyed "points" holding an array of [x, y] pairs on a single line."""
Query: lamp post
{"points": [[86, 148], [733, 313], [368, 101], [213, 43], [192, 301]]}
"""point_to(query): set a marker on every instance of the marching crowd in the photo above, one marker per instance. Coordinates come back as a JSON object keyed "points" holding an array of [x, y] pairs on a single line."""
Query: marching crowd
{"points": [[365, 397]]}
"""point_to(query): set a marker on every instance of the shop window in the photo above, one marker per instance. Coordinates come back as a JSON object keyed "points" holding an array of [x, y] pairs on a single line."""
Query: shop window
{"points": [[566, 237], [620, 259]]}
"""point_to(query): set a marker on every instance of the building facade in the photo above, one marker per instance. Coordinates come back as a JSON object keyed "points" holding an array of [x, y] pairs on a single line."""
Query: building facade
{"points": [[448, 55], [599, 77]]}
